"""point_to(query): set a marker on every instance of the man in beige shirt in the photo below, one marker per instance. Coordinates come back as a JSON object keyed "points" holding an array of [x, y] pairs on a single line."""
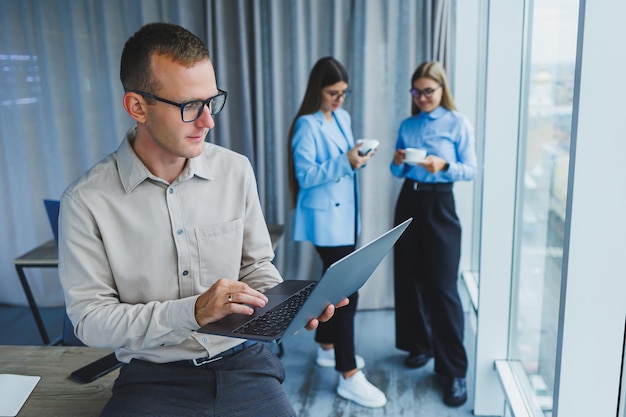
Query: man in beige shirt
{"points": [[166, 235]]}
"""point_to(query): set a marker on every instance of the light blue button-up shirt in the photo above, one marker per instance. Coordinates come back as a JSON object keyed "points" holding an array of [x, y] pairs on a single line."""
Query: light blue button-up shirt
{"points": [[443, 133]]}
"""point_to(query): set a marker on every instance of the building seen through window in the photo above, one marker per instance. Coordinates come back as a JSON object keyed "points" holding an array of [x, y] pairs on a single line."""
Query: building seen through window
{"points": [[20, 82], [542, 199]]}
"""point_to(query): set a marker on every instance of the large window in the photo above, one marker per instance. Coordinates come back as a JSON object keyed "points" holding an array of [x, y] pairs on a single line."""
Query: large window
{"points": [[545, 151]]}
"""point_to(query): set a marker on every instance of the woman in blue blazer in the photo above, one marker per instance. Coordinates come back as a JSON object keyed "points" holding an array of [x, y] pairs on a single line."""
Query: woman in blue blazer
{"points": [[323, 165]]}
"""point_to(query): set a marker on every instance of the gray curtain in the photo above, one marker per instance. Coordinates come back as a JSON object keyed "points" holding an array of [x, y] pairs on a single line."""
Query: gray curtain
{"points": [[61, 102]]}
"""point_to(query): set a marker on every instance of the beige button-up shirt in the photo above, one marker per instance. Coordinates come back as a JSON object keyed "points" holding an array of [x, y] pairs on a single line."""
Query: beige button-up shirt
{"points": [[135, 252]]}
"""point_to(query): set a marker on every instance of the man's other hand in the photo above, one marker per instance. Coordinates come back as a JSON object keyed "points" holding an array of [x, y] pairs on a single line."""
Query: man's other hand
{"points": [[326, 315]]}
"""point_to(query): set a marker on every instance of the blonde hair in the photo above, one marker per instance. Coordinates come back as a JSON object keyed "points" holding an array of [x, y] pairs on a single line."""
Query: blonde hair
{"points": [[435, 71]]}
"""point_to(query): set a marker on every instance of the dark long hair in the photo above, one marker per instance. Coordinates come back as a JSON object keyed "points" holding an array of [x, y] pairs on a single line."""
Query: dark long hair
{"points": [[435, 71], [326, 71]]}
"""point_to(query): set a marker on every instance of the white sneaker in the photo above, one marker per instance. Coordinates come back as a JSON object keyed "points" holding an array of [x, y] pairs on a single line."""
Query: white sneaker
{"points": [[358, 389], [326, 359]]}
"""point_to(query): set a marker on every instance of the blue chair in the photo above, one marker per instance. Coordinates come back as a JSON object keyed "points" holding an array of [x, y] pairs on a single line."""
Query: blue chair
{"points": [[52, 209], [69, 339]]}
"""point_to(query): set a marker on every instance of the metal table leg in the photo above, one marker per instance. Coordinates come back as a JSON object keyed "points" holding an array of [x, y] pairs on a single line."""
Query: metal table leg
{"points": [[32, 304]]}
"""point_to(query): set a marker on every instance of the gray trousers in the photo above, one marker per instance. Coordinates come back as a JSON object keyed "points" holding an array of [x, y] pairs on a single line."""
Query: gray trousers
{"points": [[247, 383]]}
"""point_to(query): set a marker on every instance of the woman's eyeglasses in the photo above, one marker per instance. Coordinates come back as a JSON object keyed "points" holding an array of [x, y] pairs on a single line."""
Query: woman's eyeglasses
{"points": [[427, 92], [190, 111], [336, 95]]}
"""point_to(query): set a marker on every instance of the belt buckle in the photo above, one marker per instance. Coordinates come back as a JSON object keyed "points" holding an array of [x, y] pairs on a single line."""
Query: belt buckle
{"points": [[204, 361]]}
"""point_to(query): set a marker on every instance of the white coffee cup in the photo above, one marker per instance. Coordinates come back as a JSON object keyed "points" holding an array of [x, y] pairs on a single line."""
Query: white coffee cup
{"points": [[414, 155]]}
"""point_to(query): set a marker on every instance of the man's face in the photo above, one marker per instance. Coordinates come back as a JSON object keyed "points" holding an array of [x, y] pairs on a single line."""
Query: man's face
{"points": [[168, 135]]}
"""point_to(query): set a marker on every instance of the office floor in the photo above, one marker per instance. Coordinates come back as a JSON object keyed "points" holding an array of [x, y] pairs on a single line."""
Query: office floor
{"points": [[409, 392], [311, 389], [18, 327]]}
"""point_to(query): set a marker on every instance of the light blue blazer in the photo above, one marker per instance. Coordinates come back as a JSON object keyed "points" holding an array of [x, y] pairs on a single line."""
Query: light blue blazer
{"points": [[326, 210]]}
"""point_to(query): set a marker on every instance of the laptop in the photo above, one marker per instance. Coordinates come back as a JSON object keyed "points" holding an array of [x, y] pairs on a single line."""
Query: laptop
{"points": [[52, 208], [293, 303]]}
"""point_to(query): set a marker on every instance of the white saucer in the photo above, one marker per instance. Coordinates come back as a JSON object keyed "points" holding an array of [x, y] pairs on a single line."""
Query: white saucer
{"points": [[406, 161]]}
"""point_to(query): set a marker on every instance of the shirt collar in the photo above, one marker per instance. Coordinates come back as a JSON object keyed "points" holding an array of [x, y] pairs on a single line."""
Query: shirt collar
{"points": [[133, 172], [435, 114], [198, 166], [319, 116]]}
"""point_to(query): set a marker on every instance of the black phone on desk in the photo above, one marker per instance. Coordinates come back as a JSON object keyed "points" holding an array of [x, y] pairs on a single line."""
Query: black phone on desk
{"points": [[97, 368]]}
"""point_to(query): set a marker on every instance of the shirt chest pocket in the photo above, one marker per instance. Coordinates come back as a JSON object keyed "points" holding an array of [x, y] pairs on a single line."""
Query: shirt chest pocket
{"points": [[219, 251]]}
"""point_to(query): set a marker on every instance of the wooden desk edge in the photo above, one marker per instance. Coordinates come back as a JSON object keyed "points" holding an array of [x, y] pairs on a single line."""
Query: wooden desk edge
{"points": [[56, 394]]}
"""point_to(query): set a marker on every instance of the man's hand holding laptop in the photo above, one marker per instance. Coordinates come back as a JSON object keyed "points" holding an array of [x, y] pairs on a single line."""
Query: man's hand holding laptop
{"points": [[229, 296]]}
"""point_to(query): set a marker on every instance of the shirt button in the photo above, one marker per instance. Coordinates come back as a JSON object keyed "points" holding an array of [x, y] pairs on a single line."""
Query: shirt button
{"points": [[336, 204], [179, 232], [185, 273], [205, 340], [171, 190]]}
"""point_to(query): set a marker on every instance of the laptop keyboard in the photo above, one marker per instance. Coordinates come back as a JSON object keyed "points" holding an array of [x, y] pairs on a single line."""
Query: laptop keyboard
{"points": [[276, 320]]}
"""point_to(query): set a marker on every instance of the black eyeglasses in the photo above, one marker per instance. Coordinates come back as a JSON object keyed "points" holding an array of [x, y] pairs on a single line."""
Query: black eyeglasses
{"points": [[336, 95], [190, 111], [427, 92]]}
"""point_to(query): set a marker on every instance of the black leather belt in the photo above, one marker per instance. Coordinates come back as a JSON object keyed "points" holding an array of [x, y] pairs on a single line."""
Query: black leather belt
{"points": [[430, 186], [222, 355]]}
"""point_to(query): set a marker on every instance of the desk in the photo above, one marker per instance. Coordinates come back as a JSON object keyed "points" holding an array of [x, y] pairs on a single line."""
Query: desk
{"points": [[45, 256], [57, 394]]}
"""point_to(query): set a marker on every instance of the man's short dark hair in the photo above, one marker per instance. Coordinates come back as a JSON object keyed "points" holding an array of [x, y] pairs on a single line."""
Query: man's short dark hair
{"points": [[173, 41]]}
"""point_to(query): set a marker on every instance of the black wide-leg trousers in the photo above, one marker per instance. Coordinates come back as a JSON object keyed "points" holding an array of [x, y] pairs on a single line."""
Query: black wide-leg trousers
{"points": [[429, 314]]}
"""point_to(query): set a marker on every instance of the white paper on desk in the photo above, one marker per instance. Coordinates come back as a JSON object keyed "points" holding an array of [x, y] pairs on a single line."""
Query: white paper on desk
{"points": [[14, 391]]}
